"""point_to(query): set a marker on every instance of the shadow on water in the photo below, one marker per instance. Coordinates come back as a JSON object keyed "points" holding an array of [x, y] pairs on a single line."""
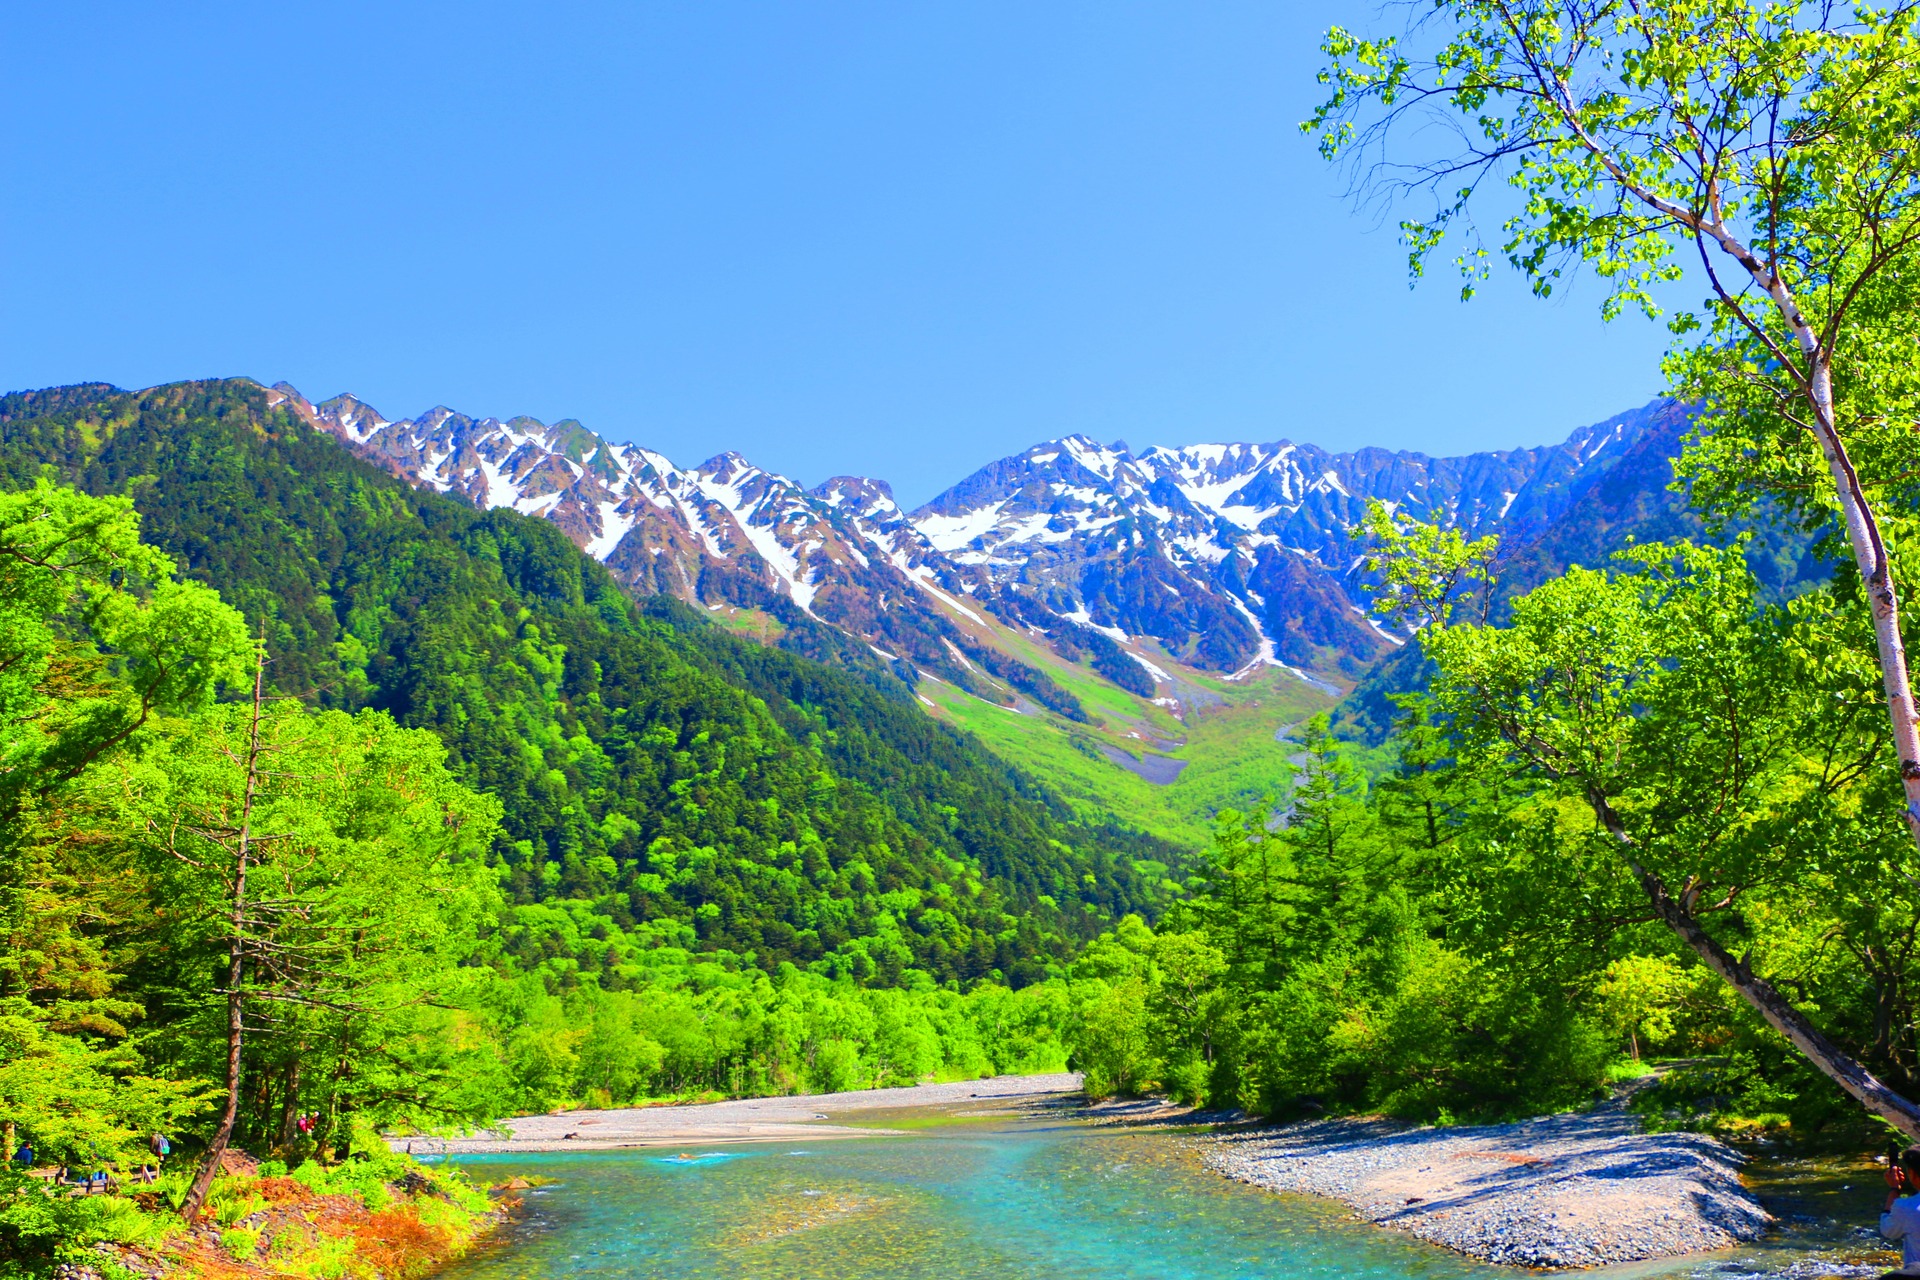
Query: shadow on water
{"points": [[1032, 1195]]}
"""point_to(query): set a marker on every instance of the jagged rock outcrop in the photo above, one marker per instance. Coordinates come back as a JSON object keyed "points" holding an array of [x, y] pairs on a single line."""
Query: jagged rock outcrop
{"points": [[1226, 556]]}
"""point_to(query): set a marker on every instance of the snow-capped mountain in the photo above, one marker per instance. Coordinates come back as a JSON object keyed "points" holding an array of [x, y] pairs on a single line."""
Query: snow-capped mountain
{"points": [[1234, 553], [1223, 556], [723, 533]]}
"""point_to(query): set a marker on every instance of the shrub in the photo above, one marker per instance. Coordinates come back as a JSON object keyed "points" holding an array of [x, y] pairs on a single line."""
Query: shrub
{"points": [[233, 1200], [243, 1243], [39, 1225], [1113, 1046]]}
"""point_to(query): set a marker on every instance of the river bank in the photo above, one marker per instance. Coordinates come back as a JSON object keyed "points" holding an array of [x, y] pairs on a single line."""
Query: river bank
{"points": [[1579, 1190], [385, 1218], [985, 1189], [1570, 1191], [734, 1121]]}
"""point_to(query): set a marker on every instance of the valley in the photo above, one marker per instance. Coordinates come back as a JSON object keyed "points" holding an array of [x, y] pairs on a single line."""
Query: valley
{"points": [[778, 791], [1134, 630], [1169, 763], [1168, 773]]}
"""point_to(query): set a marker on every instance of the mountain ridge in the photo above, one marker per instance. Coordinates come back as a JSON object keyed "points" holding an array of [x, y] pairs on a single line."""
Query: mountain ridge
{"points": [[1220, 557], [736, 797], [1141, 640]]}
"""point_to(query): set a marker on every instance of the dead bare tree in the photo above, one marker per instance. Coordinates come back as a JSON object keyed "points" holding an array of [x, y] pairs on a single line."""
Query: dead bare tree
{"points": [[240, 841]]}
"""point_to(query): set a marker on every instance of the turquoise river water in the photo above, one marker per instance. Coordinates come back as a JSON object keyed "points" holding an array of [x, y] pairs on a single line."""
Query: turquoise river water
{"points": [[957, 1200]]}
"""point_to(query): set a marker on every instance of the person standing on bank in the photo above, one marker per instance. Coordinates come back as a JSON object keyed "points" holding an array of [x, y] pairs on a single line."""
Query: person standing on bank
{"points": [[1901, 1219], [161, 1149]]}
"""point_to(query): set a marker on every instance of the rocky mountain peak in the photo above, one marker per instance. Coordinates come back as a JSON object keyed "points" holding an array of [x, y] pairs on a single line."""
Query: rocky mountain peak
{"points": [[858, 496], [1222, 556]]}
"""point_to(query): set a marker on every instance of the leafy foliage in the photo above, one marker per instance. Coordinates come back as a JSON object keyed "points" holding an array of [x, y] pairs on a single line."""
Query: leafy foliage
{"points": [[679, 814], [1313, 968], [633, 773], [382, 978]]}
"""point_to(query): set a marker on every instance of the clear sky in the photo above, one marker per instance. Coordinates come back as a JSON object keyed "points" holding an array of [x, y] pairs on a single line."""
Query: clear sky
{"points": [[899, 238]]}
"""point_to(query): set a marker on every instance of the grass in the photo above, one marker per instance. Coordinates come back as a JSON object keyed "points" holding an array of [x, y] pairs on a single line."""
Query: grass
{"points": [[754, 624], [1227, 738], [1623, 1069], [1230, 746], [241, 1243]]}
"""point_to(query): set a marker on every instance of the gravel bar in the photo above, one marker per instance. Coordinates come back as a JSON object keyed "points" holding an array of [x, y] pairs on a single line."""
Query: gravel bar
{"points": [[1579, 1190], [740, 1120]]}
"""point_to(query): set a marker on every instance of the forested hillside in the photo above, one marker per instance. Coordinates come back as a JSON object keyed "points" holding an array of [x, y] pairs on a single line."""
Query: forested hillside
{"points": [[336, 808], [684, 782], [1634, 502], [233, 918]]}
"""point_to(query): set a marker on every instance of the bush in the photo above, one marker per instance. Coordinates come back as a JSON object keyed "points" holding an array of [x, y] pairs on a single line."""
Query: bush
{"points": [[243, 1243], [1457, 1035], [836, 1068], [232, 1200], [40, 1225], [1760, 1083]]}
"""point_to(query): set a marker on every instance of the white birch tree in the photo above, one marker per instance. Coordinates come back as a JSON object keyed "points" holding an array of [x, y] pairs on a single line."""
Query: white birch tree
{"points": [[1771, 147]]}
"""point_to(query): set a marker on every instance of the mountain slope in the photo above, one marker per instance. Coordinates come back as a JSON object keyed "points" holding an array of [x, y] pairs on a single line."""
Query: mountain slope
{"points": [[723, 534], [1135, 629], [816, 818], [1600, 511], [1223, 558], [1238, 555], [1118, 605]]}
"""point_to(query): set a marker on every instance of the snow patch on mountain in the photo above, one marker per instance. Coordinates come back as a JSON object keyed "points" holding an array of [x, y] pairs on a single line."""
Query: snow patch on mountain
{"points": [[1231, 556], [1159, 675]]}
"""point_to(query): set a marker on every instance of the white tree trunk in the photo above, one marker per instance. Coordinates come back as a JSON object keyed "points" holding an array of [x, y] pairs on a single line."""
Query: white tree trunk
{"points": [[1835, 1063], [1876, 579]]}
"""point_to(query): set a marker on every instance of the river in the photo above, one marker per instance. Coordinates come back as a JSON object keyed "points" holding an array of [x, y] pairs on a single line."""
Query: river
{"points": [[986, 1197]]}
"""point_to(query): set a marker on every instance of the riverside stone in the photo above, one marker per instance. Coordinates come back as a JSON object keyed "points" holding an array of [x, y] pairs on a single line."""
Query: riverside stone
{"points": [[1578, 1190]]}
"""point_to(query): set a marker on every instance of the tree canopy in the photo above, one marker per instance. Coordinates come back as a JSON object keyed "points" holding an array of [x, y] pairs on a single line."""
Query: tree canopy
{"points": [[1771, 145]]}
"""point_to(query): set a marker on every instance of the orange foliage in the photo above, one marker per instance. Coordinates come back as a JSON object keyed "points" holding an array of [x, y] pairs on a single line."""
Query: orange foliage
{"points": [[396, 1243], [393, 1244], [281, 1190]]}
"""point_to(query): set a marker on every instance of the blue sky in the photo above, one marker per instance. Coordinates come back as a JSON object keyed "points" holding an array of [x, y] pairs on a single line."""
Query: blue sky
{"points": [[893, 239]]}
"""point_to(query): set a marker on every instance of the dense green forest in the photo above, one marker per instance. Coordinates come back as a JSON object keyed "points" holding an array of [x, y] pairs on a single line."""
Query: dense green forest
{"points": [[449, 923], [595, 851], [682, 780], [226, 909]]}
